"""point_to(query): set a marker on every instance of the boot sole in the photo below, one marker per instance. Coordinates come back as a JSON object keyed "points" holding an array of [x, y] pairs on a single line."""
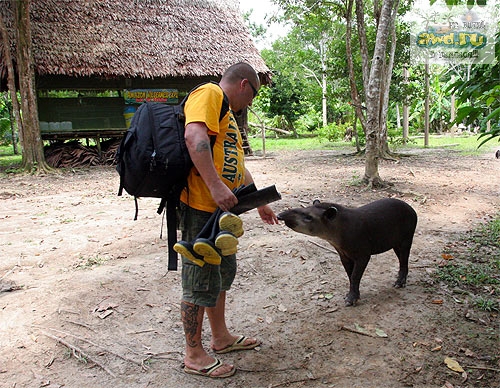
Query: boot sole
{"points": [[231, 223]]}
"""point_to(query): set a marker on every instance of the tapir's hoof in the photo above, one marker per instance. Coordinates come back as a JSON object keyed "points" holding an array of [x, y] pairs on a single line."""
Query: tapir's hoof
{"points": [[400, 283], [350, 300]]}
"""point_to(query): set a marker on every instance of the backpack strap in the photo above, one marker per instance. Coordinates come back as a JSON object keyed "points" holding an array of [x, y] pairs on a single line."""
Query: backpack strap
{"points": [[225, 101], [169, 209], [121, 164], [225, 106], [171, 235]]}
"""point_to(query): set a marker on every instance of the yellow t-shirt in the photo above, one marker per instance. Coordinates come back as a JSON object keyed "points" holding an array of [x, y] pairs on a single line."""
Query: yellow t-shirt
{"points": [[204, 105]]}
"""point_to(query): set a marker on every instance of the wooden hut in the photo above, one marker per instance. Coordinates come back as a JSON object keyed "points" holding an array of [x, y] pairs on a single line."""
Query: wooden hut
{"points": [[108, 45]]}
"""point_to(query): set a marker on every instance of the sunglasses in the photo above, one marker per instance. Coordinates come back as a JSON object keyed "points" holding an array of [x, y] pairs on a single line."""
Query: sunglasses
{"points": [[253, 89]]}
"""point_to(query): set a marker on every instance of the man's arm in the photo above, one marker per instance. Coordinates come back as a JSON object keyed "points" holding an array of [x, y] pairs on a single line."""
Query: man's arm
{"points": [[198, 144]]}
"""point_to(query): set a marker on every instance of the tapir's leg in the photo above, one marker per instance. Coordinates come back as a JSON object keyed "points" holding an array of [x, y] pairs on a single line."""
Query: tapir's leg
{"points": [[403, 253], [348, 265], [354, 280]]}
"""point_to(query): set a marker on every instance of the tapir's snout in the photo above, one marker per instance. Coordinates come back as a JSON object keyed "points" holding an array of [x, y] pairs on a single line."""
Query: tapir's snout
{"points": [[288, 217], [282, 216]]}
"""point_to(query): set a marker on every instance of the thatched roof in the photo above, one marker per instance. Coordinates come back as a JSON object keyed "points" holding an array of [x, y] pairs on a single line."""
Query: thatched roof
{"points": [[137, 38]]}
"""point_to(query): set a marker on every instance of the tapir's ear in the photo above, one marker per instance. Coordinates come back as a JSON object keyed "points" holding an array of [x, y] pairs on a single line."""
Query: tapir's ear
{"points": [[330, 213], [316, 201]]}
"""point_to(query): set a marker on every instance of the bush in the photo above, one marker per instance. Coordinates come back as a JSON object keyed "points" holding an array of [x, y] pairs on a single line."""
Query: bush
{"points": [[308, 122], [332, 132], [5, 131]]}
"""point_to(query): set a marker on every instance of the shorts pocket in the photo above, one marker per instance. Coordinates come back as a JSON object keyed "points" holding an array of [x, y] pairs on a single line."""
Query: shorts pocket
{"points": [[196, 278]]}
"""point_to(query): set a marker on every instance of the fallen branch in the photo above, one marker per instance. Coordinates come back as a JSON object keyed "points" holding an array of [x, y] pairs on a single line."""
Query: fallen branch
{"points": [[9, 271], [158, 356], [79, 353], [278, 370], [270, 128], [301, 311], [377, 333], [288, 382], [96, 345], [80, 324], [347, 328], [141, 331]]}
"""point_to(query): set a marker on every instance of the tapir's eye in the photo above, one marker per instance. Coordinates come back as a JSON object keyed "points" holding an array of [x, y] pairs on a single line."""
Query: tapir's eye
{"points": [[307, 218]]}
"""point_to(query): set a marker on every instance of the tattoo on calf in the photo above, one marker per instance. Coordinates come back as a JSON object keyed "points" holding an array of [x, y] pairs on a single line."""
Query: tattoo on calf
{"points": [[190, 320]]}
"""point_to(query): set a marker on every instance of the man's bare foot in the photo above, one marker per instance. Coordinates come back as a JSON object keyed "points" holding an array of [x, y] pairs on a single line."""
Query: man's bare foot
{"points": [[234, 343], [208, 366]]}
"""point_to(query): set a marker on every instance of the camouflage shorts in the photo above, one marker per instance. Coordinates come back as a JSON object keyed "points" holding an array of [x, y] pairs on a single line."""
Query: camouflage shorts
{"points": [[202, 285]]}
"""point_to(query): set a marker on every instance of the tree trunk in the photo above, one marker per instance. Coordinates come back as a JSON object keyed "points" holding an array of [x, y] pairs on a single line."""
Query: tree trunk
{"points": [[375, 94], [31, 140], [384, 150], [453, 109], [405, 110], [427, 109], [363, 44], [322, 51], [13, 130], [14, 110], [356, 100]]}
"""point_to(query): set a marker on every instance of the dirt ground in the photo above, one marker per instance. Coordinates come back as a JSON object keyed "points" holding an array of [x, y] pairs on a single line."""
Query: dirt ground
{"points": [[75, 269]]}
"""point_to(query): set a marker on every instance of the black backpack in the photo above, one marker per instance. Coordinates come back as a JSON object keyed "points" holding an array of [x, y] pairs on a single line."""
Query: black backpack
{"points": [[153, 160]]}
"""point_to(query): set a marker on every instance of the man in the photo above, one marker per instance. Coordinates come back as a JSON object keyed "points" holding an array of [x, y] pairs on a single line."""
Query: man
{"points": [[210, 185]]}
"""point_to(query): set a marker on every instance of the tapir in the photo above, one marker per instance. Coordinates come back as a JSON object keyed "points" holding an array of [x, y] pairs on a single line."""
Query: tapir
{"points": [[358, 233]]}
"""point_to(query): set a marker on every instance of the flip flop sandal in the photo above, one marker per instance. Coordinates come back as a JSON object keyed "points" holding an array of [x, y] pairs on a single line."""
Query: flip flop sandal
{"points": [[227, 243], [231, 223], [207, 249], [186, 249], [239, 344], [209, 370]]}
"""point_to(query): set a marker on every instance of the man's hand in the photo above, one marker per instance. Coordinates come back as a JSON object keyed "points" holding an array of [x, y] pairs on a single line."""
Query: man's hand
{"points": [[223, 197], [267, 215]]}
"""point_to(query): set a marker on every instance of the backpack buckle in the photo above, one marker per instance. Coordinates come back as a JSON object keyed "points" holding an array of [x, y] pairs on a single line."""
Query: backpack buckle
{"points": [[152, 162]]}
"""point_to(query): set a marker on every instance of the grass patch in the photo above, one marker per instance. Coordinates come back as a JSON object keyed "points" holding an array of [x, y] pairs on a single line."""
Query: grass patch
{"points": [[464, 144], [292, 143], [90, 262], [475, 267], [8, 160], [467, 145]]}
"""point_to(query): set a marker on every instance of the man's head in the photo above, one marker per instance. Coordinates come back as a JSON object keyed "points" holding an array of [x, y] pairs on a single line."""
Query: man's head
{"points": [[241, 84]]}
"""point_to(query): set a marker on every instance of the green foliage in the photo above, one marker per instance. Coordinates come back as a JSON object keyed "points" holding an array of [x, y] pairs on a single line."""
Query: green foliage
{"points": [[285, 99], [334, 132], [475, 268], [5, 131], [296, 62], [91, 262], [292, 143], [463, 144], [9, 161], [479, 97], [78, 93], [5, 128], [310, 121], [439, 100]]}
